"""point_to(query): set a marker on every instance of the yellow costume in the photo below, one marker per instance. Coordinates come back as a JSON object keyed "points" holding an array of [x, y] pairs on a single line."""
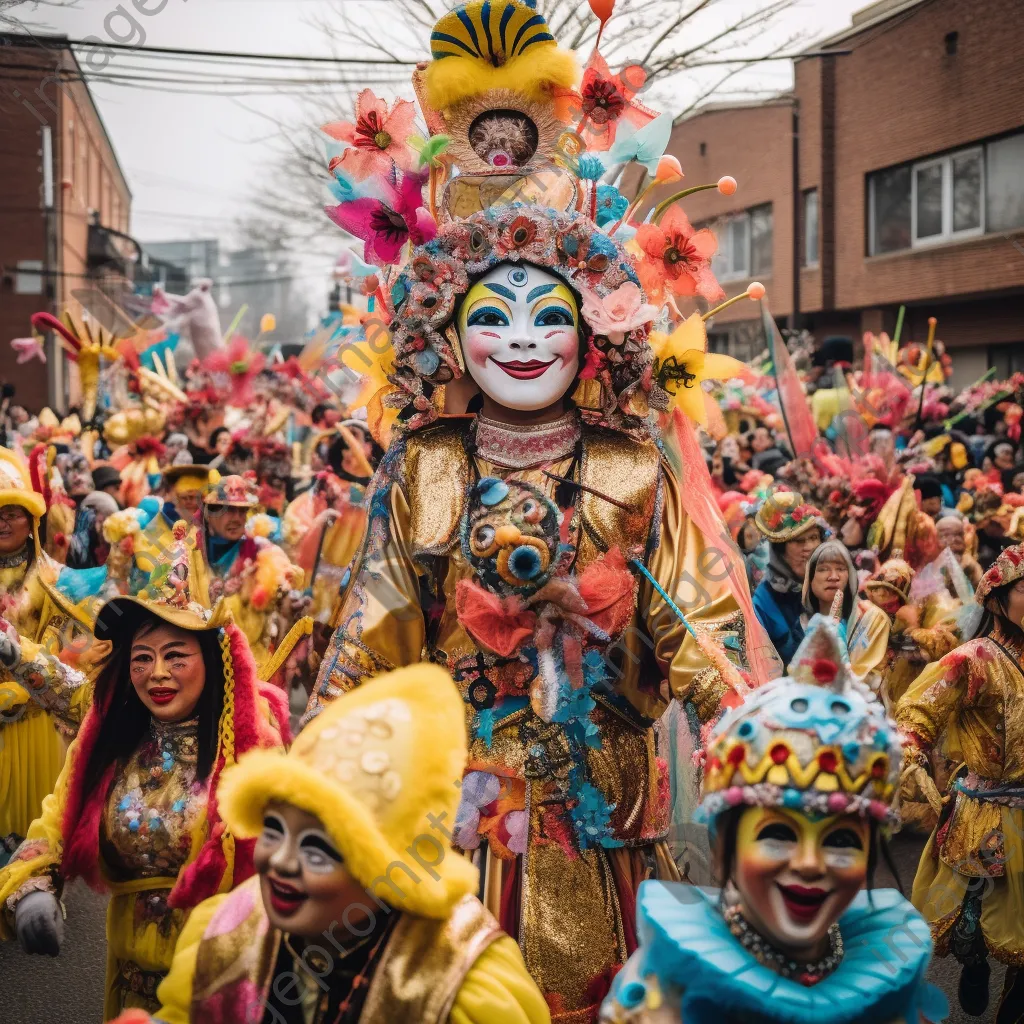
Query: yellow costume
{"points": [[438, 955], [868, 638], [36, 706], [975, 696]]}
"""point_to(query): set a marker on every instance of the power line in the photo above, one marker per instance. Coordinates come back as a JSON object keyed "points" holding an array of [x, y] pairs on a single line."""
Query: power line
{"points": [[234, 54]]}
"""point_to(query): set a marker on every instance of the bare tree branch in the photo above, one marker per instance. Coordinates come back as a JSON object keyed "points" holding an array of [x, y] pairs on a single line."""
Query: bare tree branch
{"points": [[670, 38]]}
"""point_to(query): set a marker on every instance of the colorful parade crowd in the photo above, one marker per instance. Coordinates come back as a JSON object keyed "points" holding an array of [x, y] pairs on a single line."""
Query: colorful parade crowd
{"points": [[621, 660]]}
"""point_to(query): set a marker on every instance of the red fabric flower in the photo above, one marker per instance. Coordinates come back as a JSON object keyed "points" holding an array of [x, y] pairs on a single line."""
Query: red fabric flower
{"points": [[607, 99], [677, 257]]}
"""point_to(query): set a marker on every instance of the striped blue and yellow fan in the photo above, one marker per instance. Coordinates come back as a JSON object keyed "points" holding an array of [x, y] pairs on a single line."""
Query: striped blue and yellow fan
{"points": [[496, 44]]}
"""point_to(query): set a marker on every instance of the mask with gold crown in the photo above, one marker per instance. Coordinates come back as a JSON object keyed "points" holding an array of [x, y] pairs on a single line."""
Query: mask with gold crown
{"points": [[800, 780], [502, 257]]}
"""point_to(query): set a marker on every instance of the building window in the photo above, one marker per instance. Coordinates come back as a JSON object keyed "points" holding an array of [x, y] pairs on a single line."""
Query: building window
{"points": [[811, 228], [744, 244], [958, 195], [1004, 184], [718, 341], [1006, 360], [28, 279]]}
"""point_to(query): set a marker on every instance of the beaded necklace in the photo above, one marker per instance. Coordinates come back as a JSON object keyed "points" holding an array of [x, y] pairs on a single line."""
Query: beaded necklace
{"points": [[770, 956]]}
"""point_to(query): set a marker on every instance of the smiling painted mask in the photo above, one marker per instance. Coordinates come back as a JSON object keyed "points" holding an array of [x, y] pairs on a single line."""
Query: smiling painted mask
{"points": [[797, 874], [519, 328]]}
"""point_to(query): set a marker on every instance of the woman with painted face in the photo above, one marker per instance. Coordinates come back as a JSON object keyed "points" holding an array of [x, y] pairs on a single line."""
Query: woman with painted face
{"points": [[134, 811], [970, 880], [360, 909], [862, 625], [794, 529], [799, 783]]}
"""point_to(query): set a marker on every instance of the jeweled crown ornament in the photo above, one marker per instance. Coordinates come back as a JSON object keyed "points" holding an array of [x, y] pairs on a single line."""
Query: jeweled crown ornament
{"points": [[807, 741]]}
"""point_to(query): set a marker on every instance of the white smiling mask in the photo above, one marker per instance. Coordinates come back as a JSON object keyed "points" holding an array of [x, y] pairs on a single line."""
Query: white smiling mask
{"points": [[519, 328]]}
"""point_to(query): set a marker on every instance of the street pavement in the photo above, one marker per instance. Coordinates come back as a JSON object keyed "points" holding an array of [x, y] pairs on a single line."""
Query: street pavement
{"points": [[69, 990]]}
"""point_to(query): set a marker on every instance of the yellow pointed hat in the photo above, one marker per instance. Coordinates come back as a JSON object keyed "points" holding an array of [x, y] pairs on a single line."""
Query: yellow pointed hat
{"points": [[381, 767]]}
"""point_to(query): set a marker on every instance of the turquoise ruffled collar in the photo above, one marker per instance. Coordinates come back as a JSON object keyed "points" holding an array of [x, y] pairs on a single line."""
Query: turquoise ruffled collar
{"points": [[687, 945]]}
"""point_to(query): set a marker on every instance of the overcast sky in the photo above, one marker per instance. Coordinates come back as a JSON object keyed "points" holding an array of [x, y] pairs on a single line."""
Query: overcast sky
{"points": [[193, 161]]}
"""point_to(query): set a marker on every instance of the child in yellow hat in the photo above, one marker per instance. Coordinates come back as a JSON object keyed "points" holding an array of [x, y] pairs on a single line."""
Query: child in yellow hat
{"points": [[360, 909]]}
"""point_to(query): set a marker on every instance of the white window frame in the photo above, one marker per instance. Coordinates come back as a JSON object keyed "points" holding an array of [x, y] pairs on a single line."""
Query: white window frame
{"points": [[947, 234], [724, 227], [809, 264]]}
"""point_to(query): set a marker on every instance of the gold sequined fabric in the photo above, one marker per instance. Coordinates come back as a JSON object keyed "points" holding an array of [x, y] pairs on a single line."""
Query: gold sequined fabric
{"points": [[401, 608], [153, 805]]}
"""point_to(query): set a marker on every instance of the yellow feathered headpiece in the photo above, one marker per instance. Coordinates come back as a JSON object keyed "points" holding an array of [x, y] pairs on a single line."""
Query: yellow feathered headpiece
{"points": [[496, 44]]}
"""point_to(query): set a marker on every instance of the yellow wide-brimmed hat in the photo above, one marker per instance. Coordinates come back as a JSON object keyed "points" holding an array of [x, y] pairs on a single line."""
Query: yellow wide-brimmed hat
{"points": [[381, 767], [16, 485]]}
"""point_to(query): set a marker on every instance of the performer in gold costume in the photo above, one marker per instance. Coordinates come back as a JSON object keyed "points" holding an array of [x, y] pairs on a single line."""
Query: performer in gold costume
{"points": [[539, 549], [970, 882]]}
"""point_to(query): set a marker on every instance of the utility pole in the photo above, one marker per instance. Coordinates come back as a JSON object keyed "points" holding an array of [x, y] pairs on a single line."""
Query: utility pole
{"points": [[51, 269]]}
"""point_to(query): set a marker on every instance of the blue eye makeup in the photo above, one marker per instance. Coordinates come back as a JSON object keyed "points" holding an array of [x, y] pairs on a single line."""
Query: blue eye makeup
{"points": [[488, 316], [553, 316]]}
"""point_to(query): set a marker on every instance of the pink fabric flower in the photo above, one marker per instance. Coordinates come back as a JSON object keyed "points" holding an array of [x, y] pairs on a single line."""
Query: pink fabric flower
{"points": [[618, 313], [386, 224], [242, 365], [377, 140]]}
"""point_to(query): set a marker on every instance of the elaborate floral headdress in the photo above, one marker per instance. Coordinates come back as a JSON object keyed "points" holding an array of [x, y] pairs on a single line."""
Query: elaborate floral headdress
{"points": [[808, 741], [427, 293], [509, 174], [785, 515], [1007, 568], [236, 491]]}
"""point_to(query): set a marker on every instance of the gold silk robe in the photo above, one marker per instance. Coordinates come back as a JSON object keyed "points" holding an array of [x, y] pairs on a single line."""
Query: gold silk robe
{"points": [[869, 638], [975, 697], [568, 902]]}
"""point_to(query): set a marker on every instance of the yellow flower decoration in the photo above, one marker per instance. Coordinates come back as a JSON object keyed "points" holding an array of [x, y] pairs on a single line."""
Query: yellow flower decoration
{"points": [[684, 363]]}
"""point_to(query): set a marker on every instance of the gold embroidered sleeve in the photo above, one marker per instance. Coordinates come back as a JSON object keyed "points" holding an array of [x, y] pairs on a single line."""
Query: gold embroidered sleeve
{"points": [[692, 569], [39, 677], [934, 697], [381, 623]]}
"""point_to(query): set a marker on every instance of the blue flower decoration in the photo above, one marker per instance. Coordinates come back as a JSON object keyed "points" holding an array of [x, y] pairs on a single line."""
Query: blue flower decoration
{"points": [[591, 817], [611, 205], [590, 168]]}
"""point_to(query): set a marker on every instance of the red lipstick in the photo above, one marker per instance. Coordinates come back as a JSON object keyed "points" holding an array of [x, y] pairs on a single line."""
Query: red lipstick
{"points": [[525, 371], [162, 695], [803, 904], [284, 898]]}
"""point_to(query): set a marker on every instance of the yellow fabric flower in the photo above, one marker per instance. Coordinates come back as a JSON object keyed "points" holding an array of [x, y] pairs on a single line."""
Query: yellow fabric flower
{"points": [[684, 363]]}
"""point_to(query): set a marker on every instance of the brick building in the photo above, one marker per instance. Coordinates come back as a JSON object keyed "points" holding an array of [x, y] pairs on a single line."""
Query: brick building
{"points": [[64, 215], [905, 150]]}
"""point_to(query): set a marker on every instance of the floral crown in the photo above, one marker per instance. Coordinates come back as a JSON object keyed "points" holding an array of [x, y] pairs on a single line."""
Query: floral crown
{"points": [[1007, 568], [786, 515], [808, 742], [426, 295]]}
